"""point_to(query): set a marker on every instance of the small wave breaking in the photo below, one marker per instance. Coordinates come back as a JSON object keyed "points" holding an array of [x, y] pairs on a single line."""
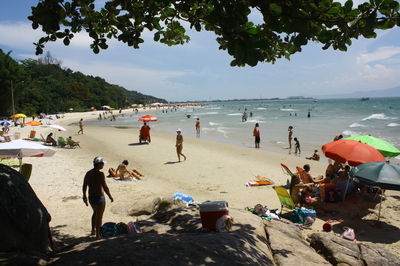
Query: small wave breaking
{"points": [[393, 125], [235, 114], [357, 125], [376, 116], [350, 133], [288, 110]]}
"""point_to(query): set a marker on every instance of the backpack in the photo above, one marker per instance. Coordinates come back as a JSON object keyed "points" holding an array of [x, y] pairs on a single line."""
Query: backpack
{"points": [[108, 230]]}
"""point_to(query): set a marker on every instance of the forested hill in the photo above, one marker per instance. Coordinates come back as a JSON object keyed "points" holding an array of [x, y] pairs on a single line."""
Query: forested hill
{"points": [[44, 86]]}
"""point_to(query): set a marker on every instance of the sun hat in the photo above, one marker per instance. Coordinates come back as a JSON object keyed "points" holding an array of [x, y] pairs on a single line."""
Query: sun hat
{"points": [[178, 130], [98, 160]]}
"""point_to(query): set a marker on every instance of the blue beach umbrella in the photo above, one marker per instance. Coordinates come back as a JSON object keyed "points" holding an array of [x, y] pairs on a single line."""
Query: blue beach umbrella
{"points": [[5, 123]]}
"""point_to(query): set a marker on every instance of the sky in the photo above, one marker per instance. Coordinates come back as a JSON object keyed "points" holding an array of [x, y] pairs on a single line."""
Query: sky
{"points": [[198, 70]]}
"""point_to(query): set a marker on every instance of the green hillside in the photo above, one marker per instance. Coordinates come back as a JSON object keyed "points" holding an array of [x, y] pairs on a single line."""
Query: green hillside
{"points": [[44, 86]]}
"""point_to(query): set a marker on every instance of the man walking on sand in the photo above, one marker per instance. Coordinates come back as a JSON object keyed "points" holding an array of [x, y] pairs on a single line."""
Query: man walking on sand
{"points": [[290, 129], [80, 126], [179, 145], [256, 134], [95, 180], [198, 127]]}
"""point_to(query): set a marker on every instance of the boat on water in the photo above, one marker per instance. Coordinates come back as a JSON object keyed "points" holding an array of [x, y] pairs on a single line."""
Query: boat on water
{"points": [[364, 98]]}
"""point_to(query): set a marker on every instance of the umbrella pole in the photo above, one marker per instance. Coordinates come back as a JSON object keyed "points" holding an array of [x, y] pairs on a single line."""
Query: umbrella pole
{"points": [[20, 163], [345, 191], [380, 206]]}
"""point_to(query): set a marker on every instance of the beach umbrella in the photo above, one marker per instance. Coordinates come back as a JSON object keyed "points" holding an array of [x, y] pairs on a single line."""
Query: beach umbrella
{"points": [[22, 148], [33, 123], [5, 123], [384, 175], [18, 116], [351, 151], [148, 118], [387, 149]]}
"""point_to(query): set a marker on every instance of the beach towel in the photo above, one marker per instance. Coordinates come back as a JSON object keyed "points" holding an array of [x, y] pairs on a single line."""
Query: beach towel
{"points": [[129, 179], [261, 181], [183, 197], [133, 228]]}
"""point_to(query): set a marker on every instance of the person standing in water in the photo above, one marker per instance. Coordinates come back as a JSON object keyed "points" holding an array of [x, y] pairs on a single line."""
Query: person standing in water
{"points": [[95, 180], [290, 129], [198, 127], [256, 134], [179, 145]]}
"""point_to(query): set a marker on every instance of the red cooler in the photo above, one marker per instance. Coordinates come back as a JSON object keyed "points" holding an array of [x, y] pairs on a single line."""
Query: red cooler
{"points": [[211, 211]]}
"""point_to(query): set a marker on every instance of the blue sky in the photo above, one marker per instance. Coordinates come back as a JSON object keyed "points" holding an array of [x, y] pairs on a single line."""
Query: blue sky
{"points": [[199, 71]]}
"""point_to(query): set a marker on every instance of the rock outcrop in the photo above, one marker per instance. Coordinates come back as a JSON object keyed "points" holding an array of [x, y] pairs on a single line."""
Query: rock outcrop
{"points": [[289, 247], [23, 218], [340, 251]]}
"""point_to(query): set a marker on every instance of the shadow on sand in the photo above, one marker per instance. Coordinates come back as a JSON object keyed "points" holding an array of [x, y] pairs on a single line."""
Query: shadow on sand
{"points": [[183, 242], [138, 144]]}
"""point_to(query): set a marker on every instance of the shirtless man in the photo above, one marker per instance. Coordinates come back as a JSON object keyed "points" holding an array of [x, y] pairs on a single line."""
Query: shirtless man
{"points": [[290, 129], [124, 173], [179, 145], [95, 180], [80, 126], [197, 127]]}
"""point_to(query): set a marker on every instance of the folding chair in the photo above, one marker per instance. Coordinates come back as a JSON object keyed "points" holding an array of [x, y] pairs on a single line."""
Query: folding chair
{"points": [[284, 198]]}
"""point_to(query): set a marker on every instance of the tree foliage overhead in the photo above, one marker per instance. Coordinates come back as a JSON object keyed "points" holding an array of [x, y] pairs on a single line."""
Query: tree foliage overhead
{"points": [[286, 25], [44, 86]]}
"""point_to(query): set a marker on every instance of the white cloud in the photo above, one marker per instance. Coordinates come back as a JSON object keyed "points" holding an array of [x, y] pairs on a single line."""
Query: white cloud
{"points": [[20, 35], [151, 81], [380, 54]]}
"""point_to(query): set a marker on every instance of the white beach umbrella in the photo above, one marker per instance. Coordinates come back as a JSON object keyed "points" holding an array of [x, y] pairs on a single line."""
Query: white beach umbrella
{"points": [[21, 148]]}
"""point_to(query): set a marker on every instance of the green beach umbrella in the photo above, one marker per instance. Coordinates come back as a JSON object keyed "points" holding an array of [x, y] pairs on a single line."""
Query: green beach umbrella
{"points": [[384, 175], [385, 148]]}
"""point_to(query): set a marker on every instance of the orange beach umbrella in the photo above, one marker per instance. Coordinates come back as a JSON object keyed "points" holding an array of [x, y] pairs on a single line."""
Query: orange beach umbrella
{"points": [[33, 123], [148, 118], [351, 151]]}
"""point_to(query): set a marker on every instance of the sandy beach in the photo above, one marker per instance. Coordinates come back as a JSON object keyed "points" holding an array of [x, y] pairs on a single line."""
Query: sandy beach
{"points": [[213, 171]]}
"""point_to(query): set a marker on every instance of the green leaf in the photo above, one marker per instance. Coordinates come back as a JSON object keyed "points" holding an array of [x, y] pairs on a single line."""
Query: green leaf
{"points": [[66, 41], [277, 10]]}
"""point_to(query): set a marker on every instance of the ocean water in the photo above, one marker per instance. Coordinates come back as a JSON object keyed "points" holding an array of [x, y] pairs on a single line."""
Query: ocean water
{"points": [[222, 121]]}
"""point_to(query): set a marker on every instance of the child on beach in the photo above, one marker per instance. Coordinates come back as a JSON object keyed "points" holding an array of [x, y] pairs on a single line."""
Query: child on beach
{"points": [[314, 157], [296, 146], [179, 145]]}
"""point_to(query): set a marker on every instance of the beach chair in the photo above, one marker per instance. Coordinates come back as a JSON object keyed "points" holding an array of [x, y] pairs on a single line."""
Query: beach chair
{"points": [[72, 144], [284, 198], [61, 142], [32, 134], [26, 171]]}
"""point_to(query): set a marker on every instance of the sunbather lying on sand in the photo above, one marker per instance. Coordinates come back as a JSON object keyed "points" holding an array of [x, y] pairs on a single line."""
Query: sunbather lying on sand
{"points": [[124, 173]]}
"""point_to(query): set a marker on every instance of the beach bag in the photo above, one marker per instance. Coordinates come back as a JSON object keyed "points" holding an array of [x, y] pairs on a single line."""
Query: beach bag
{"points": [[260, 210], [183, 197], [108, 230], [349, 234]]}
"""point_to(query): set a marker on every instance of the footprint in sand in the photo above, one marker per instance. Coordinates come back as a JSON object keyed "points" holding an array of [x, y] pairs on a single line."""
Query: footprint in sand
{"points": [[64, 199]]}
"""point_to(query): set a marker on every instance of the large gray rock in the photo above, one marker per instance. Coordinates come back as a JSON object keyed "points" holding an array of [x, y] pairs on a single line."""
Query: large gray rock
{"points": [[173, 236], [335, 249], [340, 251], [289, 247], [375, 255], [23, 218]]}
